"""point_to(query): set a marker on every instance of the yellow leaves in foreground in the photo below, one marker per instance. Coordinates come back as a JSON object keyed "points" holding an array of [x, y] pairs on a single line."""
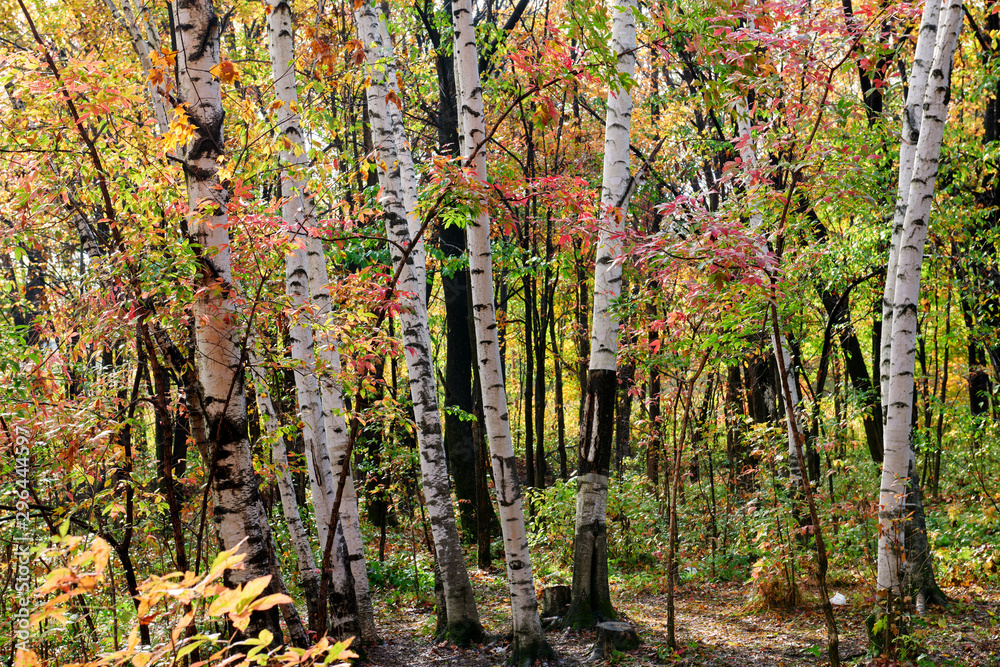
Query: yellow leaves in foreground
{"points": [[242, 601], [184, 594], [181, 130], [73, 579]]}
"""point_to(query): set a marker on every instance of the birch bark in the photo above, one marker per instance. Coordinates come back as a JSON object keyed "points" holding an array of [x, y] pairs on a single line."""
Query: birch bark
{"points": [[333, 417], [407, 173], [896, 468], [302, 264], [219, 359], [529, 642], [299, 537], [143, 47], [591, 600], [462, 616], [913, 112]]}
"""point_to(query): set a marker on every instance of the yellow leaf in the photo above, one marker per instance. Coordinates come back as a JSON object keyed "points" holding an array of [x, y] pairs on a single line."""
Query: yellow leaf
{"points": [[183, 623], [181, 130], [340, 651], [133, 640], [163, 58], [226, 560], [254, 588], [269, 601], [226, 71], [227, 601]]}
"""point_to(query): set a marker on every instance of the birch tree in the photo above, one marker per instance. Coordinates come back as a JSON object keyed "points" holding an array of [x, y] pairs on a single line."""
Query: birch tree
{"points": [[462, 618], [529, 642], [913, 112], [897, 468], [333, 411], [305, 277], [144, 41], [219, 357], [591, 601], [298, 536]]}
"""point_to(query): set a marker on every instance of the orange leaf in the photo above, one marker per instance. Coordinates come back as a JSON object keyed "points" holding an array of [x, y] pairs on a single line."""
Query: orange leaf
{"points": [[226, 71]]}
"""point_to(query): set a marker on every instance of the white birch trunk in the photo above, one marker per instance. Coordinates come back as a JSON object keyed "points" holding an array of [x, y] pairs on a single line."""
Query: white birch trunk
{"points": [[297, 214], [591, 600], [462, 616], [289, 612], [614, 192], [289, 506], [913, 112], [143, 47], [407, 173], [334, 423], [898, 432], [529, 639], [219, 359]]}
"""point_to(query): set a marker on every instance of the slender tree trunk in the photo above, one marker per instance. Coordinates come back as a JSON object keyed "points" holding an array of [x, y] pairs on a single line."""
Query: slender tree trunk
{"points": [[675, 485], [899, 459], [582, 328], [935, 482], [822, 562], [219, 357], [527, 385], [857, 371], [623, 414], [296, 630], [460, 441], [779, 343], [541, 329], [529, 642], [302, 265], [912, 118], [142, 39], [299, 537], [560, 409], [333, 417], [591, 600], [463, 623], [407, 174]]}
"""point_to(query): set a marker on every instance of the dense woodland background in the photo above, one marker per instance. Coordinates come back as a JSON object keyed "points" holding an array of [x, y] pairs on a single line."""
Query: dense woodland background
{"points": [[238, 314]]}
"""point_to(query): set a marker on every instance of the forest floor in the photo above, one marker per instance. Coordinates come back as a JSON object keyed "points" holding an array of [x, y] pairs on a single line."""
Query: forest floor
{"points": [[714, 628]]}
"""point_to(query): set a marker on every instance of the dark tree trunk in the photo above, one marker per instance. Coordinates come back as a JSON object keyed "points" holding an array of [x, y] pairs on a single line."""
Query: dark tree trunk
{"points": [[740, 468], [623, 414], [528, 284], [655, 438], [541, 313], [485, 517], [838, 310], [34, 293], [591, 602], [707, 401], [560, 411], [582, 326], [978, 378], [458, 437]]}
